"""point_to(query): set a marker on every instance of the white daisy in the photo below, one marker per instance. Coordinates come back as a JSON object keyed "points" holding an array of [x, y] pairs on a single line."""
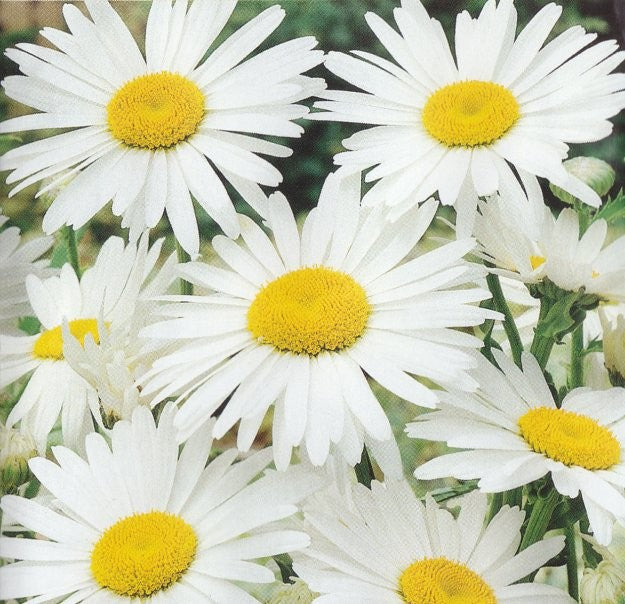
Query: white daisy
{"points": [[516, 434], [108, 292], [301, 320], [149, 133], [439, 122], [17, 260], [520, 236], [141, 523], [383, 546]]}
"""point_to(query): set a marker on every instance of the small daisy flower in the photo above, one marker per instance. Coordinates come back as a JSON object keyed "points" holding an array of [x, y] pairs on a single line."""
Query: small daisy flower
{"points": [[17, 260], [438, 122], [516, 434], [521, 237], [140, 522], [300, 321], [383, 546], [107, 293], [150, 132]]}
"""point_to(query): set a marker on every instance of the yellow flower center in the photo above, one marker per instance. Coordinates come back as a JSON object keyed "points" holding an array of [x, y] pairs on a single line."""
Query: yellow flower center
{"points": [[471, 113], [154, 111], [142, 554], [537, 261], [49, 345], [309, 310], [570, 438], [440, 581]]}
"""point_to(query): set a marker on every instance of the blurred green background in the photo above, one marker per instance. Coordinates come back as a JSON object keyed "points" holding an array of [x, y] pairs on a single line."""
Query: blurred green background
{"points": [[338, 25]]}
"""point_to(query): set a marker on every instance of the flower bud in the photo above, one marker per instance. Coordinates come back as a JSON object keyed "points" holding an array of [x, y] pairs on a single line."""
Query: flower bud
{"points": [[596, 173], [293, 593], [614, 348], [16, 448], [604, 584]]}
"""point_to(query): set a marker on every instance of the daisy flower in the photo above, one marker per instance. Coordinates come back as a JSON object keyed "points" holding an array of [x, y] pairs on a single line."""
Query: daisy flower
{"points": [[140, 522], [299, 322], [520, 236], [438, 122], [17, 260], [107, 293], [383, 546], [516, 434], [150, 132]]}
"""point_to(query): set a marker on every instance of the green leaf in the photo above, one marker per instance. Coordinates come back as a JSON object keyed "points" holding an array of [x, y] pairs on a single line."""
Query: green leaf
{"points": [[29, 325], [612, 210]]}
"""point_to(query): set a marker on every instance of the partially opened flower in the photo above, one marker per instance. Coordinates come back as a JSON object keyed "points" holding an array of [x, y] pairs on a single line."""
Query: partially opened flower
{"points": [[149, 133], [141, 522], [299, 322], [502, 102], [383, 546], [17, 260], [522, 238], [107, 293], [515, 434]]}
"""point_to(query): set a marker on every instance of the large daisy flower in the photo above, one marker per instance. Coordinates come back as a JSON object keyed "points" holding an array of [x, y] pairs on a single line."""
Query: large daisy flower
{"points": [[107, 293], [140, 522], [439, 122], [17, 260], [516, 434], [521, 237], [301, 320], [383, 546], [149, 133]]}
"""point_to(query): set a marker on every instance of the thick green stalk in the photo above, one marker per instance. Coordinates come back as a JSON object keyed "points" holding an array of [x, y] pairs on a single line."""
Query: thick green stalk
{"points": [[364, 469], [539, 518], [541, 346], [72, 249], [186, 288], [509, 325], [571, 562]]}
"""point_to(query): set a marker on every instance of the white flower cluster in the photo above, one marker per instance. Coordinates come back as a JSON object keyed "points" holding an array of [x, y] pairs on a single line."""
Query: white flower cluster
{"points": [[303, 328]]}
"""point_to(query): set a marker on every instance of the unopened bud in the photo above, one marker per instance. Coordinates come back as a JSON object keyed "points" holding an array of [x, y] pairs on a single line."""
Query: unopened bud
{"points": [[293, 593], [596, 173], [604, 584], [16, 448], [614, 348]]}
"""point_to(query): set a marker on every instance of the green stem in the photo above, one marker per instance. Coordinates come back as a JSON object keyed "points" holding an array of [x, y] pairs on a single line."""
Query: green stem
{"points": [[499, 300], [495, 505], [539, 518], [364, 469], [514, 498], [541, 346], [577, 358], [186, 288], [72, 250], [571, 562]]}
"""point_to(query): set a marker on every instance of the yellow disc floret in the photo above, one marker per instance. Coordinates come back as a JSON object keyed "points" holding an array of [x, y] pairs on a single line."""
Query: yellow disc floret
{"points": [[49, 345], [309, 310], [570, 438], [154, 111], [441, 581], [537, 261], [470, 114], [142, 554]]}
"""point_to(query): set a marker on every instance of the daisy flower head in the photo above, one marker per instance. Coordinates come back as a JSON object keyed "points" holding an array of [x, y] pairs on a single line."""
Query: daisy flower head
{"points": [[150, 132], [384, 546], [520, 236], [17, 260], [299, 321], [514, 434], [140, 522], [107, 295], [438, 122]]}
